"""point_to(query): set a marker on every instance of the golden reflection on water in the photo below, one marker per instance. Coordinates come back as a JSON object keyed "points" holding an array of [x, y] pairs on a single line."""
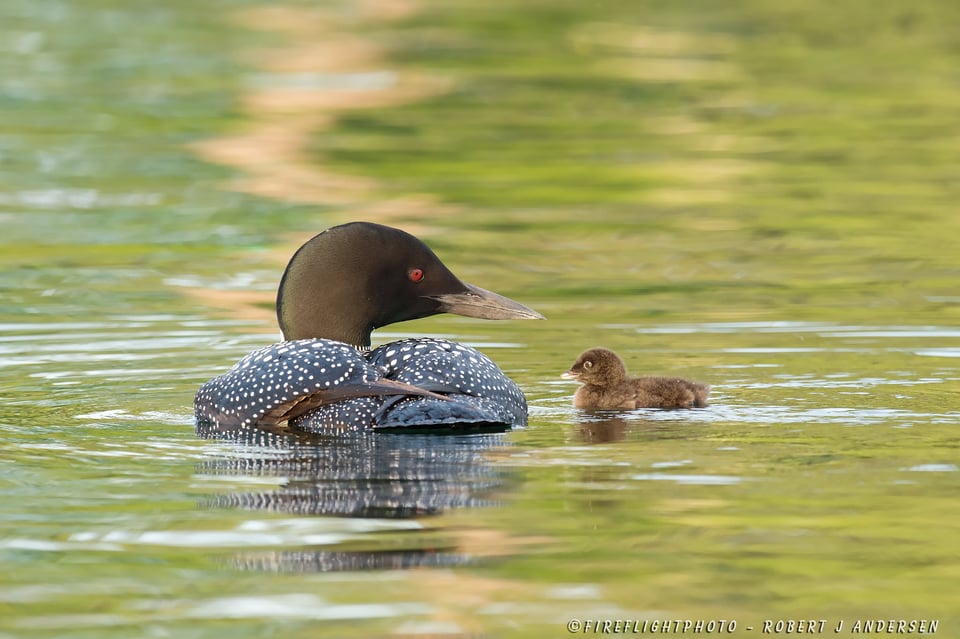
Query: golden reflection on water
{"points": [[273, 146]]}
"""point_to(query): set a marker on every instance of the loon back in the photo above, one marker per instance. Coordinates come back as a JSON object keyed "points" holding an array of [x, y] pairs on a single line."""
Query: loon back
{"points": [[321, 386]]}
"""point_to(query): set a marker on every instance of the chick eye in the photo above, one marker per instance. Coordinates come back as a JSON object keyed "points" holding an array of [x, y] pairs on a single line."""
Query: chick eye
{"points": [[415, 274], [588, 364]]}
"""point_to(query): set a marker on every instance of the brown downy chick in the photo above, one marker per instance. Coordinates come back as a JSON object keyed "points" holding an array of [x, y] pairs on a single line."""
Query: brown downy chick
{"points": [[607, 386]]}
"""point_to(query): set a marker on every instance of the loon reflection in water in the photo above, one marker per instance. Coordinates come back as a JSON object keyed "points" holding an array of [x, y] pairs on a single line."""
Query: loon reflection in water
{"points": [[363, 475]]}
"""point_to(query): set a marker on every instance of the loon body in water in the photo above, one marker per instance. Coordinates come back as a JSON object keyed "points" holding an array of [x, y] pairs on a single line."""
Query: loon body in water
{"points": [[606, 386], [337, 288]]}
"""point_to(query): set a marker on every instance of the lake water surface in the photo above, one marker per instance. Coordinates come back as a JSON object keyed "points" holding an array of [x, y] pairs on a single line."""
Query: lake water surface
{"points": [[761, 198]]}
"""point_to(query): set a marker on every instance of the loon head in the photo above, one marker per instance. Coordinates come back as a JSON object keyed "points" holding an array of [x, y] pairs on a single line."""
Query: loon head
{"points": [[597, 366], [353, 278]]}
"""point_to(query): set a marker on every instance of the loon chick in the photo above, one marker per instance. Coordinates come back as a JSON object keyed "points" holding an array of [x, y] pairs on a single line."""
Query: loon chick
{"points": [[337, 288], [606, 385]]}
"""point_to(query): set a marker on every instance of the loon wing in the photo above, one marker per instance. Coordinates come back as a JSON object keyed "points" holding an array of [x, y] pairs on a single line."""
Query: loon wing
{"points": [[481, 396], [298, 406]]}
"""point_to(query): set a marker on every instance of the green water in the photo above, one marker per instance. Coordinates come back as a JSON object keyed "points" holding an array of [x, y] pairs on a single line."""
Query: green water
{"points": [[761, 197]]}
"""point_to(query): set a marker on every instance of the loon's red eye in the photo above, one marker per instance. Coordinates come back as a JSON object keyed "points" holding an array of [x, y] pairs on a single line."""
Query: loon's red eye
{"points": [[415, 274]]}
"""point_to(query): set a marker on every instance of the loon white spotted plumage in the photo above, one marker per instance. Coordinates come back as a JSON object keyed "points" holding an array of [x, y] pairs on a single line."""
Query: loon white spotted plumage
{"points": [[321, 378]]}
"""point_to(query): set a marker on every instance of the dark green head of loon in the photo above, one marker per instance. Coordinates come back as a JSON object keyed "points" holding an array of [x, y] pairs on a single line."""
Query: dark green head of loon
{"points": [[353, 278]]}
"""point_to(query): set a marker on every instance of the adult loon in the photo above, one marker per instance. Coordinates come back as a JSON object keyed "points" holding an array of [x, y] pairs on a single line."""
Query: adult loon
{"points": [[606, 386], [337, 288]]}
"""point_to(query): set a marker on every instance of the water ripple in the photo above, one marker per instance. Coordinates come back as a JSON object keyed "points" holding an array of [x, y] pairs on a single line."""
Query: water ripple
{"points": [[297, 606], [705, 480]]}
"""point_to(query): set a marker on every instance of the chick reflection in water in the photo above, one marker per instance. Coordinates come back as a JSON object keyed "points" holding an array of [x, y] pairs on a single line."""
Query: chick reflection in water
{"points": [[363, 476], [602, 430], [607, 386]]}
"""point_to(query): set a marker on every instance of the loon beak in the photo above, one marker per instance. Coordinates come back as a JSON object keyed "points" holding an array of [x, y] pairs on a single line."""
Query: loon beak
{"points": [[483, 304], [569, 375]]}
